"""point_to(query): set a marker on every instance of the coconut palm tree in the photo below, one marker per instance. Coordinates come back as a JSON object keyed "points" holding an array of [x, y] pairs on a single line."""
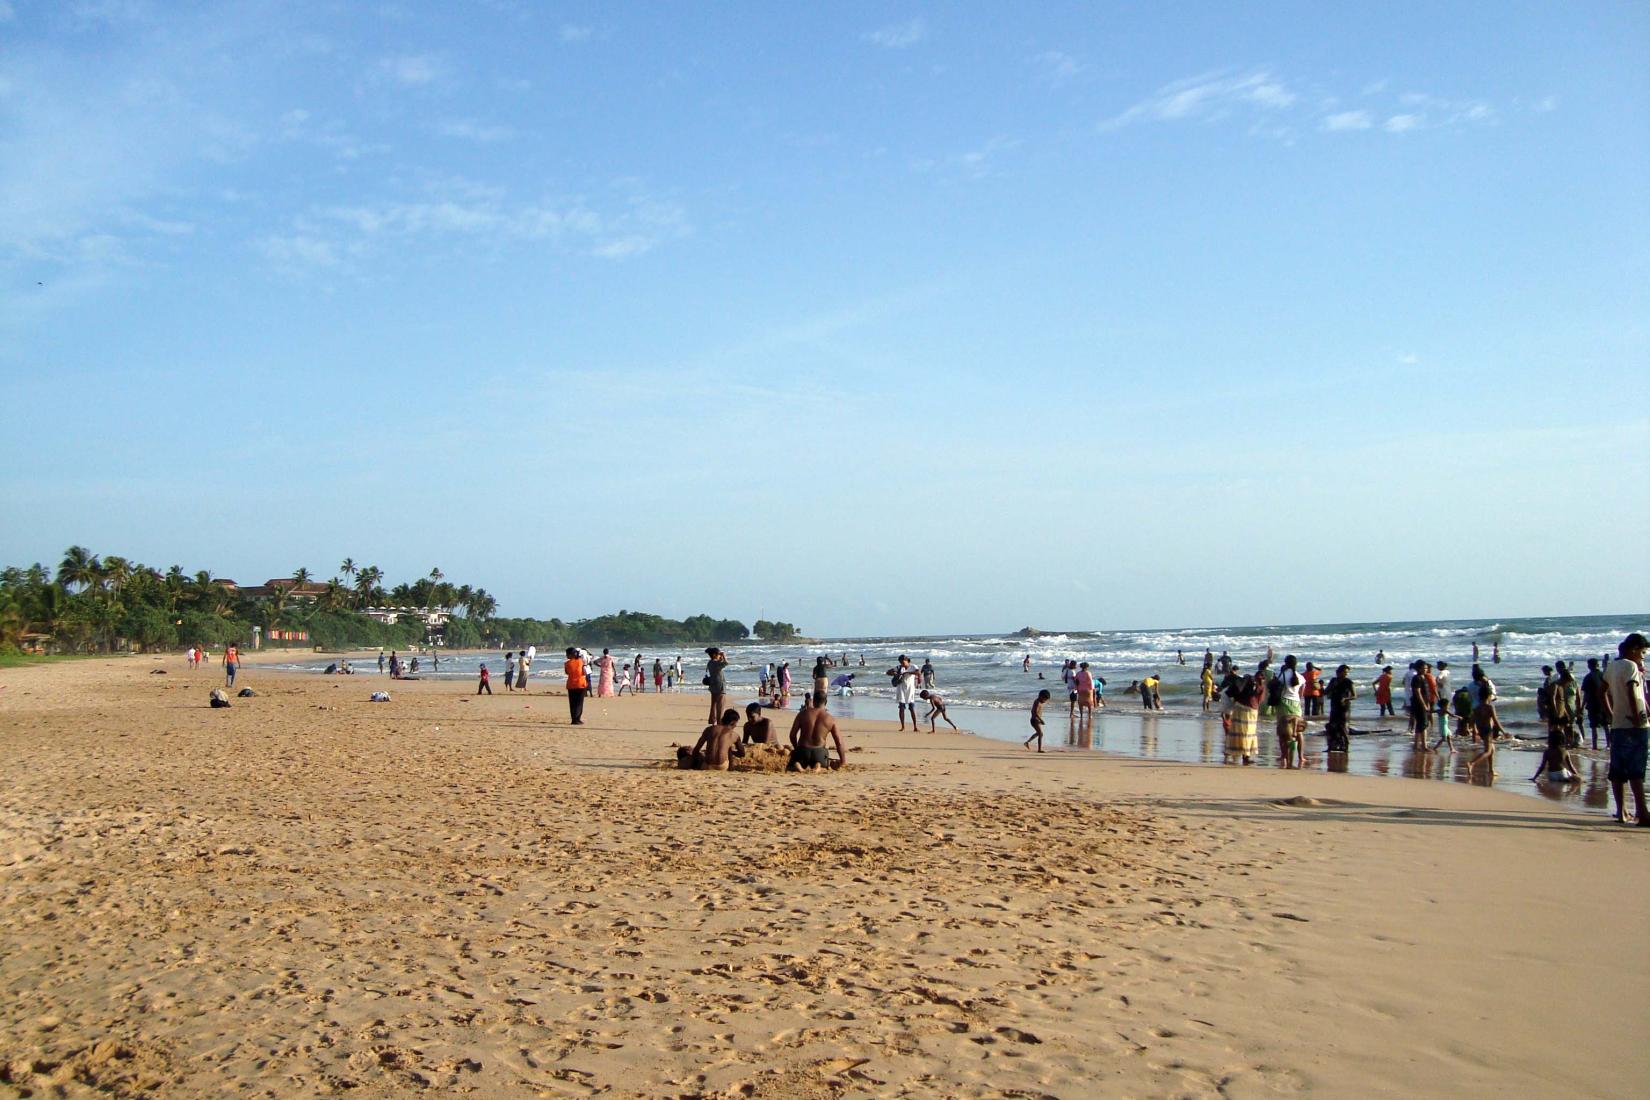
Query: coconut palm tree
{"points": [[347, 568], [116, 572], [300, 577], [335, 596], [366, 583], [79, 567]]}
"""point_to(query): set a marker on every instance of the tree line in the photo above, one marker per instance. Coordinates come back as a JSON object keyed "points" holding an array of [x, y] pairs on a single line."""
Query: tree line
{"points": [[92, 604]]}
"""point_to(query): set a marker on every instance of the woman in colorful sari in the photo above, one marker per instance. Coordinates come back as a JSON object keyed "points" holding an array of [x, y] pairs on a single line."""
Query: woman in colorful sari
{"points": [[604, 682]]}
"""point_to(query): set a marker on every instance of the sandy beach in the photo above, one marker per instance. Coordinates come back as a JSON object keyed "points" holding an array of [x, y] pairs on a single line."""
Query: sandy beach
{"points": [[312, 894]]}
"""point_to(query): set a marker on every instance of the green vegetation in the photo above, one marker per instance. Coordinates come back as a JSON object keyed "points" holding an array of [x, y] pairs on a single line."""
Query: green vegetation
{"points": [[108, 604]]}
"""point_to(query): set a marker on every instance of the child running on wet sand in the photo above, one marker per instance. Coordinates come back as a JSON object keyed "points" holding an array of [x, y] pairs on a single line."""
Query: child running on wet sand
{"points": [[1037, 720]]}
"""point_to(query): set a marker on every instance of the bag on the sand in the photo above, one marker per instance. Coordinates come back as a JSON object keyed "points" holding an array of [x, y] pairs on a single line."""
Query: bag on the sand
{"points": [[246, 693], [379, 697], [220, 697]]}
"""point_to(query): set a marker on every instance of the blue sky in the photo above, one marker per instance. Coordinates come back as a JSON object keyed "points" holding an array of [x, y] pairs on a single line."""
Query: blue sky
{"points": [[878, 318]]}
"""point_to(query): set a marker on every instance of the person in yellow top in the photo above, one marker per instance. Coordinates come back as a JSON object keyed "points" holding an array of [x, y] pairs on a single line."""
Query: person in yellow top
{"points": [[1207, 683], [578, 685]]}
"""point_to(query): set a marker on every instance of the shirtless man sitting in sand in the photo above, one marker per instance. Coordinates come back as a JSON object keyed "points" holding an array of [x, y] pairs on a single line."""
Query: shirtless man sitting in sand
{"points": [[716, 744], [758, 730], [808, 748]]}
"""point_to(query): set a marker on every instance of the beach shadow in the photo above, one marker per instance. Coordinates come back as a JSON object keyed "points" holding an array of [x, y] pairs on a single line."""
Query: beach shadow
{"points": [[1331, 809]]}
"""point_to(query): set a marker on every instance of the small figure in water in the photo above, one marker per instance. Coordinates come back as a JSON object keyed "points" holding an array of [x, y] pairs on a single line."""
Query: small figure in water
{"points": [[1037, 720], [1495, 654], [1025, 665]]}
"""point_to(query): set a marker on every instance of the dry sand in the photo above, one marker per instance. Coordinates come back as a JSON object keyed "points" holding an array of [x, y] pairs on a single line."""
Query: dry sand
{"points": [[309, 893]]}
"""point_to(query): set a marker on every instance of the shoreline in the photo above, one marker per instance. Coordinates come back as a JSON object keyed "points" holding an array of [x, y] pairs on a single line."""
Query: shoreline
{"points": [[1183, 735]]}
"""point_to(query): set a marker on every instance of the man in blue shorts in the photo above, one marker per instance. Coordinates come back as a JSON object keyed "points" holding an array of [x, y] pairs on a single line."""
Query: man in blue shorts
{"points": [[1629, 725]]}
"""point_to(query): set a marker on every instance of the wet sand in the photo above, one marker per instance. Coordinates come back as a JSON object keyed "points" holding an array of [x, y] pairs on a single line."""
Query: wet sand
{"points": [[309, 893]]}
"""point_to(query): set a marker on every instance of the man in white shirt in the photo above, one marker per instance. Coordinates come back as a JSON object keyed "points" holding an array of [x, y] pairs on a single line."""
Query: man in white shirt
{"points": [[1629, 725]]}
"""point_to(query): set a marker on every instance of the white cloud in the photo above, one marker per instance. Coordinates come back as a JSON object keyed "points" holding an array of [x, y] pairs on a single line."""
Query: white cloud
{"points": [[468, 130], [325, 237], [1207, 97], [1408, 359], [413, 70], [571, 32], [1266, 106], [898, 36], [1546, 103], [299, 250], [1349, 120]]}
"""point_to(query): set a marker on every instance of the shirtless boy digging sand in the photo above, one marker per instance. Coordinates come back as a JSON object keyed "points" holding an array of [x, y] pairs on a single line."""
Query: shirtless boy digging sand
{"points": [[936, 707], [758, 730], [808, 733], [715, 746]]}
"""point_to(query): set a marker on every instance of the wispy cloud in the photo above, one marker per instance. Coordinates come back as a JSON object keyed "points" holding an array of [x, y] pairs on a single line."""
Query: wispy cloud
{"points": [[1348, 120], [1208, 97], [1271, 107], [469, 130], [412, 70], [898, 36], [615, 230], [573, 32]]}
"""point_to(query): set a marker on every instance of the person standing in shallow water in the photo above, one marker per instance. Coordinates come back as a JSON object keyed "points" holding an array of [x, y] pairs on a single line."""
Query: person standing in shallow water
{"points": [[1595, 701], [1242, 717], [1341, 692], [1291, 716], [1383, 692]]}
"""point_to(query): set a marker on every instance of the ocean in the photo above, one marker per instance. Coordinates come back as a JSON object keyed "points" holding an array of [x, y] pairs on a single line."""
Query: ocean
{"points": [[989, 691]]}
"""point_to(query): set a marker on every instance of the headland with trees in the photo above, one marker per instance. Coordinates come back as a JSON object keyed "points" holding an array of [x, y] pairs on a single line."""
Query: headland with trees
{"points": [[102, 604]]}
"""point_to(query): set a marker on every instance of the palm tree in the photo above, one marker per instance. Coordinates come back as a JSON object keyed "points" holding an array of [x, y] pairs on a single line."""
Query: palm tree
{"points": [[366, 582], [117, 570], [300, 577], [333, 598], [348, 567], [482, 605], [79, 567], [436, 574]]}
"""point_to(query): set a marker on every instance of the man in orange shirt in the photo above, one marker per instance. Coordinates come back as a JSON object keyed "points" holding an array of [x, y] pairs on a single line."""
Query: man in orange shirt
{"points": [[578, 685]]}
